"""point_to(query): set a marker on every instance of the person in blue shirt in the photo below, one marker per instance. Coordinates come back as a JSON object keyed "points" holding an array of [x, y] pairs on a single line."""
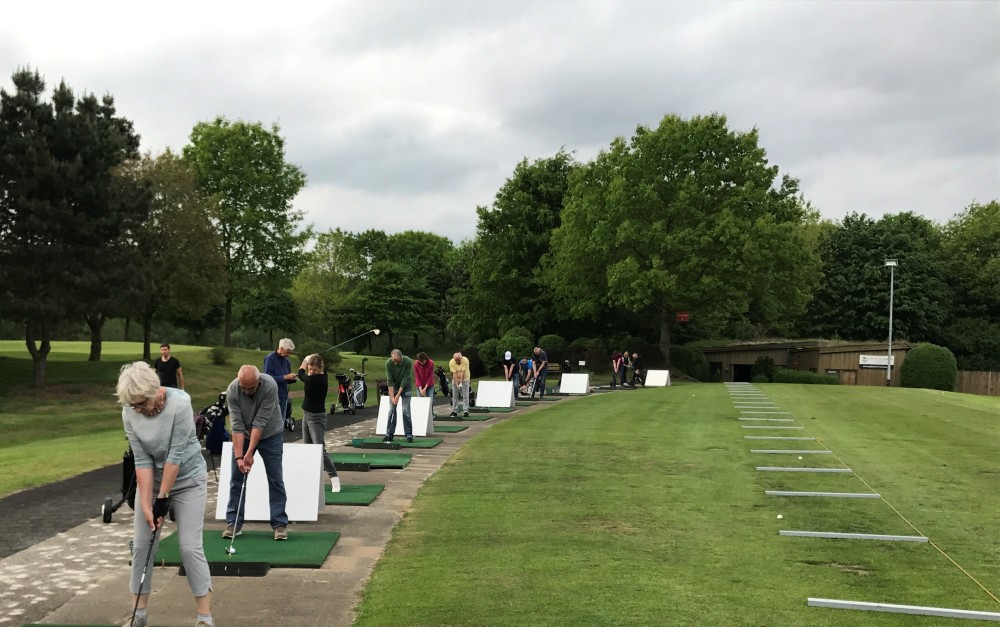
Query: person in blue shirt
{"points": [[277, 365], [527, 372]]}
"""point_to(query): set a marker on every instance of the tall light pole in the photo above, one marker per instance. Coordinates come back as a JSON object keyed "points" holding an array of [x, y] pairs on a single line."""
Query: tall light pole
{"points": [[891, 264]]}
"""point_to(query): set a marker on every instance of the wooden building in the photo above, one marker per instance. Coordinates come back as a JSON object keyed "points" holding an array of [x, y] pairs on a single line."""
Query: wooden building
{"points": [[853, 364]]}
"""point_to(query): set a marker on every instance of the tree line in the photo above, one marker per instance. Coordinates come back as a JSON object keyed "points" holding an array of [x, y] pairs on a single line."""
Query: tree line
{"points": [[682, 232]]}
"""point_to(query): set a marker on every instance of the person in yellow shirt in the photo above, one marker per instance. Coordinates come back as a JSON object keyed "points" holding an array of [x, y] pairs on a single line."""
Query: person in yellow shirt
{"points": [[461, 377]]}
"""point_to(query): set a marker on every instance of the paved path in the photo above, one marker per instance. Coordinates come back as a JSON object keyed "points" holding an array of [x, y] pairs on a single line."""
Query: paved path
{"points": [[80, 575]]}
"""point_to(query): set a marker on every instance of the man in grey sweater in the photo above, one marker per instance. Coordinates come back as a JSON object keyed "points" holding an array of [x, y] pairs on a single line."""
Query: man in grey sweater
{"points": [[258, 425]]}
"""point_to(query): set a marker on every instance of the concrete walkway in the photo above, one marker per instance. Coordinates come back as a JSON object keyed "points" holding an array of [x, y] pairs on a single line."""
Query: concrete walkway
{"points": [[81, 576]]}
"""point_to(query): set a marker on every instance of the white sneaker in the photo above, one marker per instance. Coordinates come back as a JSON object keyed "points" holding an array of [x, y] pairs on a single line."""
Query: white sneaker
{"points": [[334, 484]]}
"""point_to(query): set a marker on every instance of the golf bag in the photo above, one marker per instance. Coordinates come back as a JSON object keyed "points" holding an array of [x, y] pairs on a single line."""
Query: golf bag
{"points": [[442, 381], [344, 397], [359, 388], [210, 425]]}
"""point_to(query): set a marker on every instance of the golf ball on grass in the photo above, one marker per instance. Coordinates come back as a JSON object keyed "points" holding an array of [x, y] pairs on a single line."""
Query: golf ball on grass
{"points": [[779, 516], [800, 457]]}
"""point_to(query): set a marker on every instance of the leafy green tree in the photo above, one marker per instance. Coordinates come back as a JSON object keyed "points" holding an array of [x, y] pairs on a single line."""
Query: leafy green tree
{"points": [[852, 301], [324, 288], [57, 211], [971, 255], [270, 308], [392, 300], [689, 216], [242, 165], [178, 266], [505, 275]]}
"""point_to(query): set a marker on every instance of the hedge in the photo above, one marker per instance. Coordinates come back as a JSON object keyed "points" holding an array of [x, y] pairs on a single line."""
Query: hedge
{"points": [[929, 366]]}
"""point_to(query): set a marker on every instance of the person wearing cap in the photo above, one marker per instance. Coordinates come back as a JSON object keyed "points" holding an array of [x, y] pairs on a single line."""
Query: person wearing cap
{"points": [[511, 371]]}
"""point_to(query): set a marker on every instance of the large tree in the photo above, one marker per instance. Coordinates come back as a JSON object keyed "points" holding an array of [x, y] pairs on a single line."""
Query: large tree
{"points": [[687, 216], [394, 300], [58, 210], [852, 301], [324, 288], [505, 274], [178, 267], [242, 165], [971, 255]]}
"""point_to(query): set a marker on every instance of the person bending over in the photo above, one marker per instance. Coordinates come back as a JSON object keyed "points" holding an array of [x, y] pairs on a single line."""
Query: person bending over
{"points": [[460, 379], [399, 378]]}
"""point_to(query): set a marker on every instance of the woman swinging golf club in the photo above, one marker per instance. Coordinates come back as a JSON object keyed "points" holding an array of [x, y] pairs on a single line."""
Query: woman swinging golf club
{"points": [[159, 423]]}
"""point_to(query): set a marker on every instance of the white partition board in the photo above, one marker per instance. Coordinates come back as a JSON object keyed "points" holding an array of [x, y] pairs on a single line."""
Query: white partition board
{"points": [[420, 416], [657, 378], [570, 383], [495, 394], [301, 471]]}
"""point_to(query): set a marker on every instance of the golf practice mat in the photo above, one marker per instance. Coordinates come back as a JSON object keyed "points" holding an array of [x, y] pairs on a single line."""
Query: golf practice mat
{"points": [[449, 428], [491, 410], [472, 417], [416, 443], [374, 460], [353, 494], [302, 549]]}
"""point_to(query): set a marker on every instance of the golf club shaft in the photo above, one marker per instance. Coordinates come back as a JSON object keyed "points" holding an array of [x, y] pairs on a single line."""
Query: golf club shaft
{"points": [[346, 341], [239, 504], [142, 578]]}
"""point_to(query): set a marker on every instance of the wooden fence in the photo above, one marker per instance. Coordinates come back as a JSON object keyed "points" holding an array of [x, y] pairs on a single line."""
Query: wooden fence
{"points": [[977, 382]]}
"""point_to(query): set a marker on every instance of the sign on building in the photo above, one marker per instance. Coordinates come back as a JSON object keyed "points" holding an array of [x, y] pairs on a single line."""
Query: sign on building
{"points": [[876, 362]]}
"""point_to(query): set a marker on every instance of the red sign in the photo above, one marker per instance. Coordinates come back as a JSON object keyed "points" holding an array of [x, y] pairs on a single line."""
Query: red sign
{"points": [[683, 316]]}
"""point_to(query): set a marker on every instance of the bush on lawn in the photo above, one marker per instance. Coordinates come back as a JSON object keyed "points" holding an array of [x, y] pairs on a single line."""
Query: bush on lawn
{"points": [[308, 347], [759, 378], [690, 361], [787, 375], [764, 367], [929, 366], [219, 355]]}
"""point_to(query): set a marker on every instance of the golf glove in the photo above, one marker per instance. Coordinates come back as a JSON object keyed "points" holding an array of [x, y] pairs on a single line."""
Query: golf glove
{"points": [[161, 507]]}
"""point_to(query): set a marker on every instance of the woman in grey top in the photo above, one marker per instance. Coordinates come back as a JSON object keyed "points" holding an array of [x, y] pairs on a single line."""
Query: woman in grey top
{"points": [[159, 424]]}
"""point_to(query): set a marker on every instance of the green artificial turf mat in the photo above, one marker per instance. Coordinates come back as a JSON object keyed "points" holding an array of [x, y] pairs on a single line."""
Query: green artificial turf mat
{"points": [[492, 410], [302, 549], [473, 417], [353, 494], [449, 428], [416, 443], [375, 460]]}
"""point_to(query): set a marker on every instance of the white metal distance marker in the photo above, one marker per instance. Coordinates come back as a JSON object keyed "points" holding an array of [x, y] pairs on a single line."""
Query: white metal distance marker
{"points": [[944, 612], [852, 536]]}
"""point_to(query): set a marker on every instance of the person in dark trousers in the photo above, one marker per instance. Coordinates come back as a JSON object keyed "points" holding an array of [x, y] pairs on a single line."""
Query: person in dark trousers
{"points": [[617, 368], [511, 372], [258, 426], [638, 374], [541, 366], [168, 368], [316, 384], [399, 378], [277, 365]]}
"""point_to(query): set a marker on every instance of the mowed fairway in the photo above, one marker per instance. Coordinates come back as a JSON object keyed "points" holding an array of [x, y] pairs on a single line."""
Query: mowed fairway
{"points": [[645, 508]]}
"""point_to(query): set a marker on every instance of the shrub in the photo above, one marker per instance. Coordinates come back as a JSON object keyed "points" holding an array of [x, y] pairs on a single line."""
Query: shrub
{"points": [[763, 367], [552, 342], [759, 378], [591, 350], [518, 331], [476, 366], [219, 355], [690, 361], [929, 366], [488, 355], [331, 356], [518, 345], [787, 375]]}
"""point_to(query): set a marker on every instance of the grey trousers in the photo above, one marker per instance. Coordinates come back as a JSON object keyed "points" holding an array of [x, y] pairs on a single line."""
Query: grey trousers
{"points": [[460, 398], [188, 498], [314, 432]]}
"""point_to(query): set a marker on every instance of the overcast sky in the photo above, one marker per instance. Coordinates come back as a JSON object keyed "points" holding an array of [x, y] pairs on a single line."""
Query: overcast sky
{"points": [[407, 115]]}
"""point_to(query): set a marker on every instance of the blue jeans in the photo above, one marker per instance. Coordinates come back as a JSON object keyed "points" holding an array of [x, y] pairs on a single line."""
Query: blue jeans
{"points": [[621, 376], [270, 454], [540, 384], [404, 400]]}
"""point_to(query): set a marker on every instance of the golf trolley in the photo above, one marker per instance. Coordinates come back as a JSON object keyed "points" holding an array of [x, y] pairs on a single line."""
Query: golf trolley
{"points": [[442, 381], [352, 392]]}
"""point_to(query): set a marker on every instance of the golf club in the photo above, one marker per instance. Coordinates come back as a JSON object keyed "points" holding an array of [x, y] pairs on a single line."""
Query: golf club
{"points": [[239, 505], [375, 331], [142, 579]]}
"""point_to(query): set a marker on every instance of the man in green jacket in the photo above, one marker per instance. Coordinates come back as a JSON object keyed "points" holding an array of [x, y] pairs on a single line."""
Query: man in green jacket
{"points": [[399, 379]]}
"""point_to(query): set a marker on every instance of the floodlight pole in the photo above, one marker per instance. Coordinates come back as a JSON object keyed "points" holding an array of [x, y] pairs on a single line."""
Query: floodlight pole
{"points": [[891, 264]]}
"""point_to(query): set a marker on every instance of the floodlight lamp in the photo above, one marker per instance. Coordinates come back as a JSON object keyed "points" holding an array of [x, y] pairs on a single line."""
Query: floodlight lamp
{"points": [[890, 263], [376, 331]]}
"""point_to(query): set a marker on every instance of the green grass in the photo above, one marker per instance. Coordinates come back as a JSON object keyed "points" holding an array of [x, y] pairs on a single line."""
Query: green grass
{"points": [[74, 422], [594, 513]]}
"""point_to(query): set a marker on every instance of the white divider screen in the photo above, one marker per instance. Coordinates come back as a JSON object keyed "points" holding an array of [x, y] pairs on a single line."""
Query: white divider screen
{"points": [[657, 378], [301, 471], [495, 394], [420, 416], [570, 383]]}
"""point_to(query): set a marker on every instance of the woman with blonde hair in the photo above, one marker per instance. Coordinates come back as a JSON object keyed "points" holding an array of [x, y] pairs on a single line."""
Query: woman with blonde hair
{"points": [[159, 424], [317, 383]]}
